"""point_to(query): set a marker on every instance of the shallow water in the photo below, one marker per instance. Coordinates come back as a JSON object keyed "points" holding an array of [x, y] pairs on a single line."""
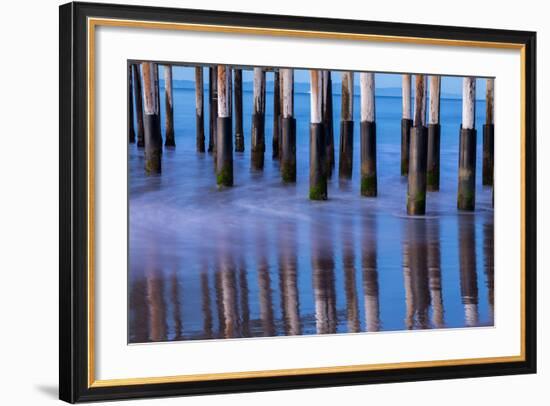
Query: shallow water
{"points": [[261, 259]]}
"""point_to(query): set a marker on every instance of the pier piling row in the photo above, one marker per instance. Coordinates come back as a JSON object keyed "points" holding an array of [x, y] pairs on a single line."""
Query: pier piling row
{"points": [[420, 129]]}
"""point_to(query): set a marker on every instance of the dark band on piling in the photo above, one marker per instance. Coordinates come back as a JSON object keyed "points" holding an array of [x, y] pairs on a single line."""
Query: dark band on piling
{"points": [[467, 170], [258, 141], [418, 151], [346, 149], [224, 152], [288, 149], [317, 177], [369, 183], [153, 143], [406, 125], [434, 142]]}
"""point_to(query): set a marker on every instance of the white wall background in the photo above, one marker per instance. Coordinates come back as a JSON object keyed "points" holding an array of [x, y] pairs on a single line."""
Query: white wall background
{"points": [[29, 203]]}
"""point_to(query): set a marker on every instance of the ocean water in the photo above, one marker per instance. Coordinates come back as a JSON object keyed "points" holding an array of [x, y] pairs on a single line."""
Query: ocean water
{"points": [[261, 259]]}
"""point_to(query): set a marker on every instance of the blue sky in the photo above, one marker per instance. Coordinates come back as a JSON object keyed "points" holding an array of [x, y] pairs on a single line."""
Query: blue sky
{"points": [[449, 84]]}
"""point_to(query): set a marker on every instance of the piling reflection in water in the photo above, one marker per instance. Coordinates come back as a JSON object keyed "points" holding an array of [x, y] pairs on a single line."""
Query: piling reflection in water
{"points": [[322, 264], [468, 272], [370, 273], [337, 282], [288, 268]]}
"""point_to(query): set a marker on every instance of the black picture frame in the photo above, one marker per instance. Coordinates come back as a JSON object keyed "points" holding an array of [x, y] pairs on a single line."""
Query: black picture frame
{"points": [[73, 255]]}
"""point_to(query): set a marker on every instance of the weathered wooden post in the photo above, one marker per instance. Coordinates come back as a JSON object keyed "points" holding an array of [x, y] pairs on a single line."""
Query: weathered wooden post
{"points": [[170, 140], [258, 120], [369, 183], [317, 147], [288, 126], [151, 119], [238, 94], [434, 135], [224, 142], [467, 148], [346, 127], [157, 91], [328, 122], [138, 94], [418, 151], [130, 115], [489, 134], [276, 114], [213, 101], [406, 124], [199, 108]]}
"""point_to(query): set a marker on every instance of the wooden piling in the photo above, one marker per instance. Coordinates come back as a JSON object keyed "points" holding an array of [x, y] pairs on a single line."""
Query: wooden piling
{"points": [[157, 91], [346, 127], [213, 103], [199, 108], [138, 95], [224, 142], [170, 140], [258, 120], [317, 146], [418, 151], [151, 119], [467, 148], [288, 128], [328, 122], [434, 135], [488, 135], [369, 183], [130, 115], [238, 95], [276, 115], [406, 124]]}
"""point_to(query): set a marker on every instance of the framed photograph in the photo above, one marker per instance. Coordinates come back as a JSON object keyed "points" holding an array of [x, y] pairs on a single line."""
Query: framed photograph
{"points": [[254, 202]]}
